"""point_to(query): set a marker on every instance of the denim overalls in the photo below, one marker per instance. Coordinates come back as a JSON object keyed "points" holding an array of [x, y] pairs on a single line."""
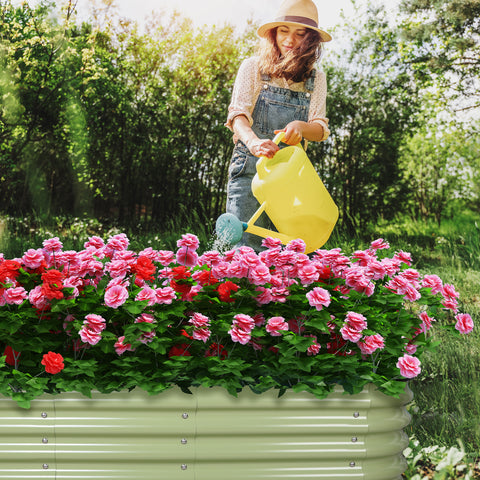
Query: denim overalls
{"points": [[275, 108]]}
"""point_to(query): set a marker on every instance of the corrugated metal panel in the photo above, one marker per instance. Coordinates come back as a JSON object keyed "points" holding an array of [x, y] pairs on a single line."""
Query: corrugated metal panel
{"points": [[206, 436]]}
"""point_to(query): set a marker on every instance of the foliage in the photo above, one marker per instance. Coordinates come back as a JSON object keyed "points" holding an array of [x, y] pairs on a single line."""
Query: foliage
{"points": [[372, 107], [442, 44], [102, 120], [437, 463], [441, 169], [278, 319]]}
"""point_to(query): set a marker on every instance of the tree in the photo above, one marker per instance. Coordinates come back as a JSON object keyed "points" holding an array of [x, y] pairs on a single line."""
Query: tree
{"points": [[443, 44], [440, 166], [372, 106]]}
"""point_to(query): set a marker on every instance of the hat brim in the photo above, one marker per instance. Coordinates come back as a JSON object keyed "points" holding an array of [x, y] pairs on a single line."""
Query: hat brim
{"points": [[262, 31]]}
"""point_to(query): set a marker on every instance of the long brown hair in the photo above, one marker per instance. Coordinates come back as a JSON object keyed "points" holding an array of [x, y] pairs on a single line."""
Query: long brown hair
{"points": [[297, 64]]}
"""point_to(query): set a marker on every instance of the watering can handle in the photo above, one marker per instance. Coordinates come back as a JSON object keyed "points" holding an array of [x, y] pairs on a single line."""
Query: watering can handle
{"points": [[263, 161], [279, 137]]}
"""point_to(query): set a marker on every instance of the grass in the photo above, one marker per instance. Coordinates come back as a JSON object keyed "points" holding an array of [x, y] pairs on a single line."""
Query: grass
{"points": [[446, 405]]}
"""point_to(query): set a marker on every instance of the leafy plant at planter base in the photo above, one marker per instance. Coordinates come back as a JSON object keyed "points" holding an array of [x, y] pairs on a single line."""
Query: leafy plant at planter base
{"points": [[107, 318], [438, 463]]}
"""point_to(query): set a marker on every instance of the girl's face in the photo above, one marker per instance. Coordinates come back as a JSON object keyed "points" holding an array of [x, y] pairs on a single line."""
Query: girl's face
{"points": [[289, 37]]}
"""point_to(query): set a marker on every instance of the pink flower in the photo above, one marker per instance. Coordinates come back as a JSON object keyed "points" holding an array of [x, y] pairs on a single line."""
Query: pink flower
{"points": [[412, 294], [199, 321], [202, 334], [37, 298], [165, 295], [147, 293], [259, 275], [449, 291], [89, 336], [15, 296], [371, 343], [239, 335], [145, 318], [349, 333], [250, 260], [95, 322], [379, 244], [259, 319], [117, 268], [314, 348], [410, 348], [52, 245], [120, 347], [409, 366], [95, 242], [356, 321], [275, 325], [115, 296], [271, 242], [426, 322], [376, 270], [188, 240], [297, 245], [265, 295], [434, 282], [403, 257], [117, 243], [464, 323], [165, 257], [33, 258], [245, 322], [451, 304], [318, 298], [187, 256], [308, 274]]}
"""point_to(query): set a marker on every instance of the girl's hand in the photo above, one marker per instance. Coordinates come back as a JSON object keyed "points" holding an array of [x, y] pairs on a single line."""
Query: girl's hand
{"points": [[263, 147], [293, 133]]}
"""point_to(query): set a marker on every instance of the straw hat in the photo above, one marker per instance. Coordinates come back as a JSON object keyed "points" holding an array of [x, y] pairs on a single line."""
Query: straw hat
{"points": [[298, 13]]}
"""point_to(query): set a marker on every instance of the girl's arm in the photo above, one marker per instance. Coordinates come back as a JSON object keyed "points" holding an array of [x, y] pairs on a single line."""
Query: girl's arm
{"points": [[257, 146], [297, 130]]}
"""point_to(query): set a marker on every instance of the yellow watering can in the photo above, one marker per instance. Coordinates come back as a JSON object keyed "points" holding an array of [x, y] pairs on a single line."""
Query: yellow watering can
{"points": [[293, 196]]}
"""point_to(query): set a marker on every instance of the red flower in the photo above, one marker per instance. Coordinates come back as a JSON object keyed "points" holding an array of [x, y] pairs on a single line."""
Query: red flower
{"points": [[10, 353], [53, 276], [180, 273], [52, 284], [53, 362], [216, 350], [9, 269], [144, 268], [205, 277], [180, 351], [324, 272], [182, 288], [225, 290]]}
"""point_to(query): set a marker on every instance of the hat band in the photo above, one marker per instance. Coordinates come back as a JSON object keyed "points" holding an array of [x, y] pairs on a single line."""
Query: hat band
{"points": [[296, 19]]}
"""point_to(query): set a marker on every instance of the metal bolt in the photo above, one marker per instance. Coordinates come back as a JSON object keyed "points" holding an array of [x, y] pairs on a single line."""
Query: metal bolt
{"points": [[45, 466], [183, 441], [44, 414], [354, 439], [356, 414], [185, 415], [352, 464], [183, 466], [44, 440]]}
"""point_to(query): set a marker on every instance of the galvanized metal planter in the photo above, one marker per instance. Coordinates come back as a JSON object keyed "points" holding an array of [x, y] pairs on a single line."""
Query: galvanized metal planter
{"points": [[209, 435]]}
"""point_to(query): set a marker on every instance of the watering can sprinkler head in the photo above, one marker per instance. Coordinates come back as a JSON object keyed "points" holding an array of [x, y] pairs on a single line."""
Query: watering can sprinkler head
{"points": [[229, 228]]}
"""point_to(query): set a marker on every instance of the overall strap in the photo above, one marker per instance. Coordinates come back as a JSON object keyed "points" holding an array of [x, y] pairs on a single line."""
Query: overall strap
{"points": [[310, 82]]}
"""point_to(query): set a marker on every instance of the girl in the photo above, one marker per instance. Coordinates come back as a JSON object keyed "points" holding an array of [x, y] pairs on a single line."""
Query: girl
{"points": [[278, 90]]}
